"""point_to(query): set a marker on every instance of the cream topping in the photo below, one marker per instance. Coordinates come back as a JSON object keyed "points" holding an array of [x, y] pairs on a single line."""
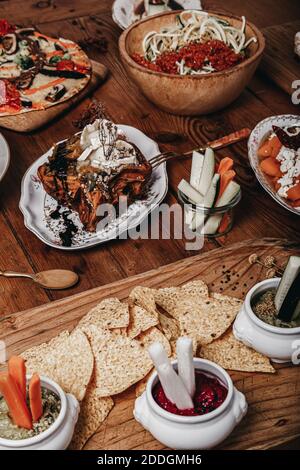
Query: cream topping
{"points": [[104, 148]]}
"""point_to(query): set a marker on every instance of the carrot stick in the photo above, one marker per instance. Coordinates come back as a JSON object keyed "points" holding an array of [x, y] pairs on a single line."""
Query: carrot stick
{"points": [[31, 91], [35, 397], [17, 370], [224, 223], [225, 179], [15, 401], [226, 164]]}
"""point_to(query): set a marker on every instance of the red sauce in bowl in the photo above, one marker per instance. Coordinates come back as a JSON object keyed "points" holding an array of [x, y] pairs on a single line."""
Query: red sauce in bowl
{"points": [[210, 394], [195, 56]]}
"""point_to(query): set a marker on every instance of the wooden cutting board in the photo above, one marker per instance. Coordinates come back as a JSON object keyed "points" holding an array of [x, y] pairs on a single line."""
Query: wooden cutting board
{"points": [[33, 120], [279, 61], [273, 417]]}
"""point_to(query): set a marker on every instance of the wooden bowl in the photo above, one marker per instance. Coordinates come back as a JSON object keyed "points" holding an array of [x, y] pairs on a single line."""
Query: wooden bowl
{"points": [[189, 94]]}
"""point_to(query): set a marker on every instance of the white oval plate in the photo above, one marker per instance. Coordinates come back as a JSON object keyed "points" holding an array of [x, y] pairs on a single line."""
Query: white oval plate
{"points": [[36, 205], [4, 156], [259, 134], [123, 10]]}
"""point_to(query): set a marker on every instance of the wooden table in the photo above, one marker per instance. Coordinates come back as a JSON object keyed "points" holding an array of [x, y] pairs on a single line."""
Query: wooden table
{"points": [[257, 215]]}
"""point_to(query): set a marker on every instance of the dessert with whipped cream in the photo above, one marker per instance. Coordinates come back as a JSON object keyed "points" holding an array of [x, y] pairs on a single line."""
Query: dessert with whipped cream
{"points": [[280, 161], [95, 167]]}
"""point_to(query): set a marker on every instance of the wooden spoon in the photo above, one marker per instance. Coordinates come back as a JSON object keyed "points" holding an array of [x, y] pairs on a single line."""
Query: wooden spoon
{"points": [[53, 279]]}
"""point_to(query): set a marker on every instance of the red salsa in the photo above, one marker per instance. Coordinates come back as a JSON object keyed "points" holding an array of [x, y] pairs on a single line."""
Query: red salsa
{"points": [[210, 394], [195, 56]]}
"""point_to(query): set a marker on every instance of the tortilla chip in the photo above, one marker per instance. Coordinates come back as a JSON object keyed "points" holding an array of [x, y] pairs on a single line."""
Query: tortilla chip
{"points": [[198, 315], [152, 336], [168, 326], [144, 297], [140, 320], [232, 354], [168, 297], [67, 359], [119, 361], [196, 289], [110, 313], [93, 411], [205, 320], [142, 384], [226, 298]]}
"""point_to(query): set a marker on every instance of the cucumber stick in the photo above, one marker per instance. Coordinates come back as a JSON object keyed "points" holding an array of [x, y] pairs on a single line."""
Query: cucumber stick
{"points": [[190, 192], [196, 170], [230, 192], [213, 222], [208, 171], [208, 201], [203, 167]]}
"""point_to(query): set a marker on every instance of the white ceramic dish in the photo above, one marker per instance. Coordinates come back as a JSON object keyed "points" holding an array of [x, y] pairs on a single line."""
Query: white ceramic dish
{"points": [[4, 156], [123, 10], [261, 131], [192, 432], [59, 435], [277, 343], [37, 206]]}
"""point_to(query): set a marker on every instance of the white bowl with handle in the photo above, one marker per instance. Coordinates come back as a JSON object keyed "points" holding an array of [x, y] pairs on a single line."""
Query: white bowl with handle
{"points": [[279, 344], [192, 432], [59, 435]]}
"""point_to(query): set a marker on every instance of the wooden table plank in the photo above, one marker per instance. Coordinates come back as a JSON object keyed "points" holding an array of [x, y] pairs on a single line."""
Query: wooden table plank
{"points": [[14, 295], [46, 11], [279, 61]]}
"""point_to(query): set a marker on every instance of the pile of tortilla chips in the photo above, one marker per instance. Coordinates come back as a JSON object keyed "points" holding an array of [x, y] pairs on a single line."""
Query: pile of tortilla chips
{"points": [[107, 351]]}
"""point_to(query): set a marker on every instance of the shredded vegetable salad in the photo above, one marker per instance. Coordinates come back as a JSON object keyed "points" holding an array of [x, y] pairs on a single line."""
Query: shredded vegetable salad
{"points": [[197, 29]]}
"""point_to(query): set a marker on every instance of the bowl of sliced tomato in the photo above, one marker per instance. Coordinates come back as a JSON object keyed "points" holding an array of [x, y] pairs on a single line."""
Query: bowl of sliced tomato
{"points": [[274, 154]]}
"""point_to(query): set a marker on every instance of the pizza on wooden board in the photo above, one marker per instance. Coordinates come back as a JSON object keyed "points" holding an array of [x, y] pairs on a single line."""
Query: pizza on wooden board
{"points": [[37, 71]]}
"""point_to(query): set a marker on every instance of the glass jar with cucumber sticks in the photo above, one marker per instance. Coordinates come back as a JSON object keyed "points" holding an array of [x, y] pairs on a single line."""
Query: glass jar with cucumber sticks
{"points": [[212, 222], [210, 196]]}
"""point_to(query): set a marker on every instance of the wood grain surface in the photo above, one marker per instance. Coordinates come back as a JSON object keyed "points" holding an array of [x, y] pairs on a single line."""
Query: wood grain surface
{"points": [[272, 399], [257, 215], [279, 61]]}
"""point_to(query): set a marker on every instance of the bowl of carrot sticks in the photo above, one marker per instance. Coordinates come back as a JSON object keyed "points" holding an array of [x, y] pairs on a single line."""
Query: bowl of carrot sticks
{"points": [[274, 154], [210, 195], [35, 413]]}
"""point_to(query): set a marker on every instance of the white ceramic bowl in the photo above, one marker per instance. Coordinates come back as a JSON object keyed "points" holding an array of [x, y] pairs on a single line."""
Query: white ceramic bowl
{"points": [[192, 432], [261, 131], [277, 343], [58, 436]]}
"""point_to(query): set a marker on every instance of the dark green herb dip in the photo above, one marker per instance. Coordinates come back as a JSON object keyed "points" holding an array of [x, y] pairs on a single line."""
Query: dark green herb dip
{"points": [[265, 309], [51, 408]]}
